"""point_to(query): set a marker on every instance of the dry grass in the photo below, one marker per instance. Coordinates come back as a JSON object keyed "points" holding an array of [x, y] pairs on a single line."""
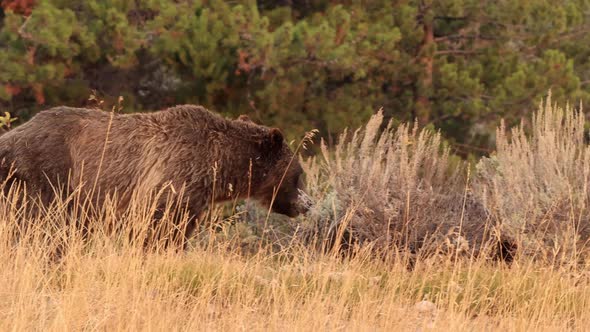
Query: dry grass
{"points": [[108, 284], [395, 192], [105, 285]]}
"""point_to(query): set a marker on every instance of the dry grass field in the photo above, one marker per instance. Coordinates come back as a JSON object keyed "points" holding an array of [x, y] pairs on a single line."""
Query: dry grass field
{"points": [[401, 236]]}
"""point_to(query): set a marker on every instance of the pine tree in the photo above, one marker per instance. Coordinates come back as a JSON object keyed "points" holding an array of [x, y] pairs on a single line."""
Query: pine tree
{"points": [[458, 65]]}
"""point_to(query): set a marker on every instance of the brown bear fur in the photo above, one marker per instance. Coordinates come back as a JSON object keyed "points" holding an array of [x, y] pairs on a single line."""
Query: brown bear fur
{"points": [[181, 147]]}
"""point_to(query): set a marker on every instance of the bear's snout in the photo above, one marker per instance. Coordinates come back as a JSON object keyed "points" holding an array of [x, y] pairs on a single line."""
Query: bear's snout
{"points": [[293, 204]]}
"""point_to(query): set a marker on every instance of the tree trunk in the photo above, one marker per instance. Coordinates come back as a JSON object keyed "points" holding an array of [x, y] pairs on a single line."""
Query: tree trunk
{"points": [[424, 84]]}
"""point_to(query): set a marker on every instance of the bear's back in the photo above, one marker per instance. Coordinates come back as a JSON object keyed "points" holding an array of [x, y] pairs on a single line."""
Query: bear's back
{"points": [[38, 150]]}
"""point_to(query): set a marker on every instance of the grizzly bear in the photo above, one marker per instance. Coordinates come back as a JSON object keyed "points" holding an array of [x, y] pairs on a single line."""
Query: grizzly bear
{"points": [[213, 159]]}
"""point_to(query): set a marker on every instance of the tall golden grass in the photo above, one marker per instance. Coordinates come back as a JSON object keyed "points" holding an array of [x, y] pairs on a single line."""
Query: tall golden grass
{"points": [[391, 195]]}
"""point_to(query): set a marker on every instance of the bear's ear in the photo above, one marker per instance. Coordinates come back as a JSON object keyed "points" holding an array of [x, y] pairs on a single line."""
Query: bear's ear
{"points": [[274, 140], [244, 118], [276, 136]]}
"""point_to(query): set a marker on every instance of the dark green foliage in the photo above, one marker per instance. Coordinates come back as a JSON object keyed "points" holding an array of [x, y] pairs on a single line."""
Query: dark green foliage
{"points": [[458, 65]]}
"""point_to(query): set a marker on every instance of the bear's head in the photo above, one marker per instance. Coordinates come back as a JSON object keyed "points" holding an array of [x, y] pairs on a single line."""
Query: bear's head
{"points": [[280, 182]]}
